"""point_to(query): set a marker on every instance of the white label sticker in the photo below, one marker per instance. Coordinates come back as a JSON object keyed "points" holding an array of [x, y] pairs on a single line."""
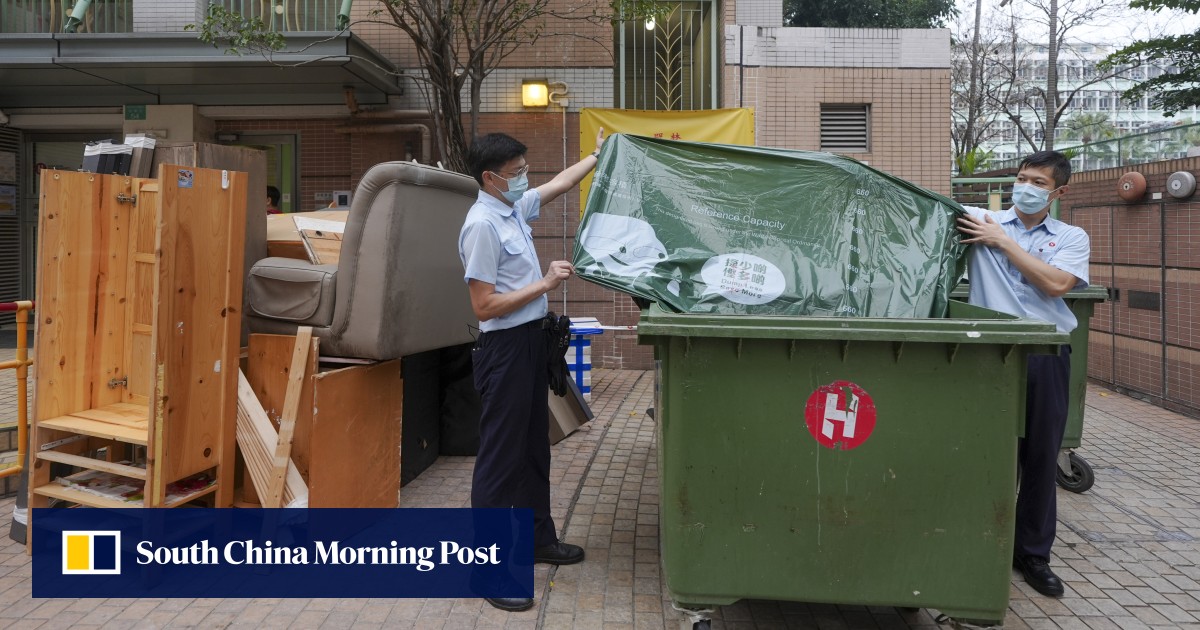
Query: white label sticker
{"points": [[742, 278]]}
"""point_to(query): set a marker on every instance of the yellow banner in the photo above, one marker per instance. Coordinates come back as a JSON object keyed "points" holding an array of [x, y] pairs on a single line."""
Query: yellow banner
{"points": [[722, 126]]}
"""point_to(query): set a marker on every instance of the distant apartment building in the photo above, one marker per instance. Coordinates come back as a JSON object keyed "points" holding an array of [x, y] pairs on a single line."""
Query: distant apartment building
{"points": [[1077, 65]]}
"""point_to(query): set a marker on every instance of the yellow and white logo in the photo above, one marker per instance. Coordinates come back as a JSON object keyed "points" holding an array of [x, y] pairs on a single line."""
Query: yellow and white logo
{"points": [[91, 552]]}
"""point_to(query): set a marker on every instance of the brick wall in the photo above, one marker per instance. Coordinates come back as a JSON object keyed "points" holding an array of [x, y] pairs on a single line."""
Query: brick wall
{"points": [[1148, 246], [785, 74]]}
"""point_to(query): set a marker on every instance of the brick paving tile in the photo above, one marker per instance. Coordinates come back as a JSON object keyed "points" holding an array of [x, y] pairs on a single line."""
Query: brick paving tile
{"points": [[1127, 549]]}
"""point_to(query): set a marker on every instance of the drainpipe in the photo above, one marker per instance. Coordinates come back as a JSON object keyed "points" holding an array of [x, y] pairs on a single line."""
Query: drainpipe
{"points": [[343, 16], [426, 148], [76, 17]]}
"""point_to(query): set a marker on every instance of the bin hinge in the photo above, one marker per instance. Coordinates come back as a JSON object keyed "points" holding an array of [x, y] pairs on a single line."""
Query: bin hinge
{"points": [[898, 349], [845, 349], [739, 348], [123, 198], [953, 352], [123, 382], [1008, 354]]}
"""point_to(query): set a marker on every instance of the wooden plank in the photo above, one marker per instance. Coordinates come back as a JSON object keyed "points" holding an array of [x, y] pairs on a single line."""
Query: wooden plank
{"points": [[135, 418], [96, 428], [257, 439], [56, 491], [287, 421], [198, 323], [65, 293], [112, 275], [356, 437], [324, 248], [187, 498], [93, 464], [267, 365], [141, 303]]}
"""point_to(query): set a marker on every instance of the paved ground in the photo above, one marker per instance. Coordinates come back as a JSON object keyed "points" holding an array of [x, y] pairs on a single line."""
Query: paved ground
{"points": [[1128, 549]]}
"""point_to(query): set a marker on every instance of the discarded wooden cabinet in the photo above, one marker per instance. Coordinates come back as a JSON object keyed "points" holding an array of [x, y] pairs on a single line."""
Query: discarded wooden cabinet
{"points": [[139, 293]]}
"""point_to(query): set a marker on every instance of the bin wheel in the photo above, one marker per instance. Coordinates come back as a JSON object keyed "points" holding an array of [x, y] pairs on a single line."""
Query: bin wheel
{"points": [[703, 624], [1079, 479]]}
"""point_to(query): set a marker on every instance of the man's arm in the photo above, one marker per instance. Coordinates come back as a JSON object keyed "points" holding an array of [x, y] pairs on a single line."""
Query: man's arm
{"points": [[1049, 279], [488, 304], [571, 177]]}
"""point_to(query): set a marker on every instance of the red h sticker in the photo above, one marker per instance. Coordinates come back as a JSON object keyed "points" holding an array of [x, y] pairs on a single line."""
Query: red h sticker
{"points": [[840, 415]]}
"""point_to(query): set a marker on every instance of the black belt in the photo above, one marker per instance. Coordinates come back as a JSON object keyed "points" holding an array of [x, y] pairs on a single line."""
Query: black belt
{"points": [[535, 324]]}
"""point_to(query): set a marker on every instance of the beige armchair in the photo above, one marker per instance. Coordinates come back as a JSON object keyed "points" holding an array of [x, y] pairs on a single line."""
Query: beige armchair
{"points": [[397, 288]]}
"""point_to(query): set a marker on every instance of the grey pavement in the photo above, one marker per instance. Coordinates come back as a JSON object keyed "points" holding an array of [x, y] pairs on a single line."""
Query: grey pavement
{"points": [[1128, 549]]}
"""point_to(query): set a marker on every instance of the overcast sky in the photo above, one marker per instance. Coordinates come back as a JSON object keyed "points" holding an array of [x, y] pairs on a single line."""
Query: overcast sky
{"points": [[1127, 27]]}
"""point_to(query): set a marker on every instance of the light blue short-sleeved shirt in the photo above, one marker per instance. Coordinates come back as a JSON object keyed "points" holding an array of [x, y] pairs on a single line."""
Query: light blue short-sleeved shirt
{"points": [[997, 284], [496, 247]]}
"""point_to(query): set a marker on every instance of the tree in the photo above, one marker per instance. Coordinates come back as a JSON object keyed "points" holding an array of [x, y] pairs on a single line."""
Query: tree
{"points": [[1179, 87], [868, 13], [1089, 127], [1060, 18], [456, 41], [974, 88]]}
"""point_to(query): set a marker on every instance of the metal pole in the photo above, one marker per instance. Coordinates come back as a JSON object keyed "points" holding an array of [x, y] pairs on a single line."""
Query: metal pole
{"points": [[343, 16], [22, 366]]}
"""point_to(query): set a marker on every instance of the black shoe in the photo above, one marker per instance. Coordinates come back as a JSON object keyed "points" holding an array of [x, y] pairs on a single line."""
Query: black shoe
{"points": [[511, 604], [558, 553], [1038, 575]]}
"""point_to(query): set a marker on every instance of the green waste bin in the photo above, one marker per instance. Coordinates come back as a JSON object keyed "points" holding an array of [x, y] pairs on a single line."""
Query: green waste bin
{"points": [[838, 460], [1074, 472]]}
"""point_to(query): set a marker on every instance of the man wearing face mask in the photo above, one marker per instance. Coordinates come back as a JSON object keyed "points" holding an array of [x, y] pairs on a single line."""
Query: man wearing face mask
{"points": [[1022, 263], [508, 294]]}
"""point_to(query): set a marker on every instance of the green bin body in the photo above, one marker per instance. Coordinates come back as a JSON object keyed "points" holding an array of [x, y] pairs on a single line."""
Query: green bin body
{"points": [[1082, 303], [919, 514]]}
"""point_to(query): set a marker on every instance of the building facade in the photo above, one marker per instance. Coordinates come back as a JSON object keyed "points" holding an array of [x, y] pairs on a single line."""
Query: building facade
{"points": [[881, 96], [1077, 68]]}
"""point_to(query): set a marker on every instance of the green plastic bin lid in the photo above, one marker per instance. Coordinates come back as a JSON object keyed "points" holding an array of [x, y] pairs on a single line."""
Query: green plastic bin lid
{"points": [[965, 323]]}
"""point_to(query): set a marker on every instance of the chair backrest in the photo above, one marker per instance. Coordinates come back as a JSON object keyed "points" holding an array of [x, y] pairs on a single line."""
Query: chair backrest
{"points": [[400, 286]]}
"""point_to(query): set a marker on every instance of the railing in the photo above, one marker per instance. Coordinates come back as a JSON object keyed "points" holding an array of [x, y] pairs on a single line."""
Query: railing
{"points": [[51, 16], [1140, 148], [21, 365], [286, 16]]}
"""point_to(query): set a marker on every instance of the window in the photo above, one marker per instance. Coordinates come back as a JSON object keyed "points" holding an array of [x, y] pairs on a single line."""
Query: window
{"points": [[845, 128], [672, 65]]}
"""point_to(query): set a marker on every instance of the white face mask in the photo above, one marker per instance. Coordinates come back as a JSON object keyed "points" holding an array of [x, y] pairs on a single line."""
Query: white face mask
{"points": [[516, 187], [1030, 199]]}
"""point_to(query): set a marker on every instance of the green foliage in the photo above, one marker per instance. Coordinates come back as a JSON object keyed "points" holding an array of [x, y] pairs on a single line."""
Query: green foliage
{"points": [[972, 162], [868, 13], [224, 27], [1088, 127], [639, 10], [1173, 91]]}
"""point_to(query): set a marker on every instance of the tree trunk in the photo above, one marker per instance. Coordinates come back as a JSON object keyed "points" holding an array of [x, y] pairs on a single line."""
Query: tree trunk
{"points": [[1052, 113], [969, 142]]}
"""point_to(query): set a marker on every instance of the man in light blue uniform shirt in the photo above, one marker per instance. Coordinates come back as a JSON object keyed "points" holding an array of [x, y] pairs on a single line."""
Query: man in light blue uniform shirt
{"points": [[1022, 263], [508, 294]]}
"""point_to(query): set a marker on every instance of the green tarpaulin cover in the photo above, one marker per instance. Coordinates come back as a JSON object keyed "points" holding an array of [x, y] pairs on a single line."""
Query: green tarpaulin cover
{"points": [[710, 228]]}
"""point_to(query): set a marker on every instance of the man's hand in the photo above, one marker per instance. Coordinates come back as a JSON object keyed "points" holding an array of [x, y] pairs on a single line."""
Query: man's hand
{"points": [[559, 270], [599, 139], [983, 231]]}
